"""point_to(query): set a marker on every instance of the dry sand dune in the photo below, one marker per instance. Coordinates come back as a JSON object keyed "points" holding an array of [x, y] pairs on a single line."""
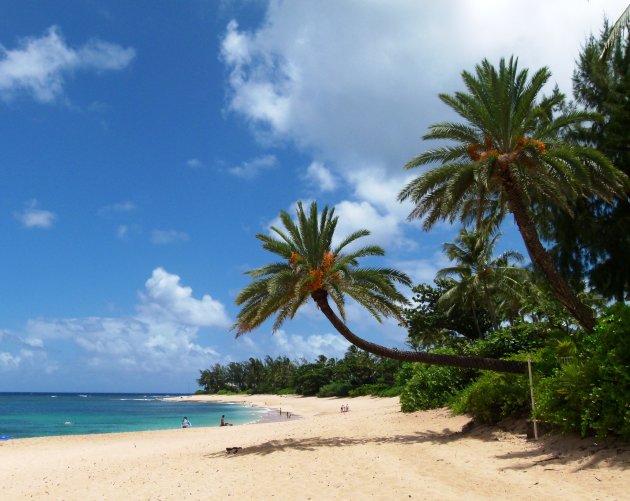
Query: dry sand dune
{"points": [[372, 452]]}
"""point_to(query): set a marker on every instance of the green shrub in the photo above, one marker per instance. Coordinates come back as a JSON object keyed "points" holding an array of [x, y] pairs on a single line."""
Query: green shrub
{"points": [[392, 391], [287, 391], [493, 397], [335, 389], [433, 386], [591, 393], [524, 337], [377, 390]]}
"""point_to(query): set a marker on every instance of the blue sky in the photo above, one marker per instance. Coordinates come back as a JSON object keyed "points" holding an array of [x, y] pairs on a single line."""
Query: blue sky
{"points": [[146, 143]]}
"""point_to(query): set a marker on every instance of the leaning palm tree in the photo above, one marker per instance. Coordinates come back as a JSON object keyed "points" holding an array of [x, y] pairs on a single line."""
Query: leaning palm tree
{"points": [[312, 267], [477, 276], [509, 156], [616, 32]]}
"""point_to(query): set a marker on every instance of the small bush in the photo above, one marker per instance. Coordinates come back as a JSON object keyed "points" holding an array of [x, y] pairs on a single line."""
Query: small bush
{"points": [[433, 386], [287, 391], [377, 390], [335, 389], [524, 337], [591, 393], [493, 397], [392, 391]]}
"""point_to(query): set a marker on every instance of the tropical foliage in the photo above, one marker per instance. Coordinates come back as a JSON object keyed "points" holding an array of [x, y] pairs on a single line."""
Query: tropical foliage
{"points": [[357, 372], [430, 325], [509, 156], [616, 33], [311, 268], [478, 276], [594, 244], [548, 164]]}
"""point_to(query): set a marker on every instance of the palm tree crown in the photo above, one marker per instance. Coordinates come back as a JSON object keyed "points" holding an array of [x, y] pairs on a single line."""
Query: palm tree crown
{"points": [[311, 264], [509, 156], [476, 276]]}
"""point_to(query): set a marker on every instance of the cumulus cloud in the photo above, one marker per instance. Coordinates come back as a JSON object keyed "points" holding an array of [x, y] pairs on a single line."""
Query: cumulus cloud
{"points": [[423, 270], [252, 168], [38, 66], [9, 361], [33, 217], [166, 298], [165, 237], [385, 228], [320, 176], [355, 84], [309, 347], [161, 336], [358, 81]]}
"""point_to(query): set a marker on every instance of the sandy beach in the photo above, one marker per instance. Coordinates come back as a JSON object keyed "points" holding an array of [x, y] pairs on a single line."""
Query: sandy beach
{"points": [[371, 452]]}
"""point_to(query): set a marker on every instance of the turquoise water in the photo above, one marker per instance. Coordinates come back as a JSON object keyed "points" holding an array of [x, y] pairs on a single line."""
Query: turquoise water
{"points": [[25, 415]]}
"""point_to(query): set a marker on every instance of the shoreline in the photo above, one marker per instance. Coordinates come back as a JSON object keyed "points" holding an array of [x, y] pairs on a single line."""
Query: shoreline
{"points": [[374, 451]]}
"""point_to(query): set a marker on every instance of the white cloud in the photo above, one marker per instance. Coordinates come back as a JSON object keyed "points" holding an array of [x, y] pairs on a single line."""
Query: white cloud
{"points": [[38, 66], [309, 347], [9, 361], [423, 270], [252, 168], [385, 229], [165, 298], [355, 84], [194, 163], [164, 237], [319, 175], [358, 81], [160, 337], [32, 217]]}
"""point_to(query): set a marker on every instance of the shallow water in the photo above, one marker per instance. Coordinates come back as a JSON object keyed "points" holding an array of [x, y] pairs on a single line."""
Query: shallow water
{"points": [[49, 414]]}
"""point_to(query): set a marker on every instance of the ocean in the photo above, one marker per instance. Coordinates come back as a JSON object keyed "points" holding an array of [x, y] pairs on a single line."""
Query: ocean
{"points": [[25, 415]]}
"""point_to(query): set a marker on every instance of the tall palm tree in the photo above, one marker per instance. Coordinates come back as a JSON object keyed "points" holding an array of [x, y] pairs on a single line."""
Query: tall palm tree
{"points": [[616, 32], [310, 267], [477, 275], [509, 156]]}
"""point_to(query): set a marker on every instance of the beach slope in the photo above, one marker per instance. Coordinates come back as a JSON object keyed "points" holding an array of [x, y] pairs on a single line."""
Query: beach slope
{"points": [[371, 452]]}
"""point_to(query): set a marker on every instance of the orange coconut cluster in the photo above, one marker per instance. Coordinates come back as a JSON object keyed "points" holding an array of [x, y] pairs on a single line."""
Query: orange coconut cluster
{"points": [[487, 149], [293, 260], [317, 275]]}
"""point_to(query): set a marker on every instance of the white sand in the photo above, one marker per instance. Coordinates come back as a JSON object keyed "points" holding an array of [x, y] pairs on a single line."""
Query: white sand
{"points": [[372, 452]]}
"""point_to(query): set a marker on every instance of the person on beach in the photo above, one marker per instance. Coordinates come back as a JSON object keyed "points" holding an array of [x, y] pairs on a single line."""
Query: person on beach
{"points": [[186, 423], [223, 423]]}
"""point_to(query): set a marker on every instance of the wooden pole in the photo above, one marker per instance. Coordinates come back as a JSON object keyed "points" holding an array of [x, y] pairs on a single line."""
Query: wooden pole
{"points": [[531, 392]]}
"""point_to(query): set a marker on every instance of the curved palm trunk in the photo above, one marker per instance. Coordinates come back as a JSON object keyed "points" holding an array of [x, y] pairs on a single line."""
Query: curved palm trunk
{"points": [[539, 256], [320, 297]]}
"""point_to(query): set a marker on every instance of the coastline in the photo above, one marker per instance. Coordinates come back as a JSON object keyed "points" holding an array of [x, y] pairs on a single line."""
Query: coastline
{"points": [[373, 451]]}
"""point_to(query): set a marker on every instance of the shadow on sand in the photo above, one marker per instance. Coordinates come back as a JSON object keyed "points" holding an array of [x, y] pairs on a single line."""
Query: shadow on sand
{"points": [[548, 450]]}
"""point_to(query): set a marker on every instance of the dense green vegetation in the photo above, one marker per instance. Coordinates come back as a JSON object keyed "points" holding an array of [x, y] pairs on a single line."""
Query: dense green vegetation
{"points": [[560, 170], [357, 373]]}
